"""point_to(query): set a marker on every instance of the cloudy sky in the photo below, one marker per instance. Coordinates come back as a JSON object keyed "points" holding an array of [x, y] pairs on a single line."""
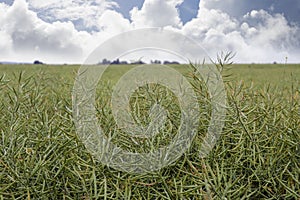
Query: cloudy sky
{"points": [[67, 31]]}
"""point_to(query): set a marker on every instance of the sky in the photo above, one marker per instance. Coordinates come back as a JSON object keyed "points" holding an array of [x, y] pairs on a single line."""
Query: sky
{"points": [[57, 31]]}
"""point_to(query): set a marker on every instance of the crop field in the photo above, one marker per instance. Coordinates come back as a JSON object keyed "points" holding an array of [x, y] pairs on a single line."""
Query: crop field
{"points": [[256, 157]]}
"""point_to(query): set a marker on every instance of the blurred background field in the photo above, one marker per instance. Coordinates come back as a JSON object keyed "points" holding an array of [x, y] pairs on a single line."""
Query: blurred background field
{"points": [[280, 75]]}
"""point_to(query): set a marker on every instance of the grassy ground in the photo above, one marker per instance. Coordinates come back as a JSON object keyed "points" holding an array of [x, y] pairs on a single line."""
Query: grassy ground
{"points": [[257, 156]]}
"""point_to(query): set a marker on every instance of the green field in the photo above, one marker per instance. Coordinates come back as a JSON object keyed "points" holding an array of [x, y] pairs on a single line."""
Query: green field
{"points": [[256, 157]]}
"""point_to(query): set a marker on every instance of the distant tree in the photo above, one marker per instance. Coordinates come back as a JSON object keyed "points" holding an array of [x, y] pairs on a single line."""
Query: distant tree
{"points": [[115, 62], [105, 61], [123, 62], [138, 62], [37, 62], [158, 62], [166, 62]]}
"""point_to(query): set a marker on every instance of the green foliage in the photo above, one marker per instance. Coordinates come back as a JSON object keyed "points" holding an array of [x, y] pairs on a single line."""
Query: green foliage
{"points": [[256, 157]]}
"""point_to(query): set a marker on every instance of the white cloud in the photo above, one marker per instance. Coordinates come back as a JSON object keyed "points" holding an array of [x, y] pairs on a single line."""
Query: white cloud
{"points": [[209, 21], [272, 30], [113, 22], [5, 40], [5, 44], [26, 33], [83, 13], [257, 37], [3, 11], [43, 4], [157, 13], [31, 38]]}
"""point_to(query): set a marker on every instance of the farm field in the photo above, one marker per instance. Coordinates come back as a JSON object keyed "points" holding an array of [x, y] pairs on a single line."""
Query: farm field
{"points": [[279, 75], [256, 157]]}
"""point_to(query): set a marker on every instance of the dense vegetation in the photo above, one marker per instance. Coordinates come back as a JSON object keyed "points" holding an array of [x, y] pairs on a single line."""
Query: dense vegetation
{"points": [[256, 157]]}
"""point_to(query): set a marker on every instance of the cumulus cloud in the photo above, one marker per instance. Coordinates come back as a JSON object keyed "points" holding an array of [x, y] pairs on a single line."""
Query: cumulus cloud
{"points": [[83, 14], [113, 22], [5, 44], [238, 8], [157, 13], [272, 30], [67, 31], [29, 37], [5, 40], [258, 36]]}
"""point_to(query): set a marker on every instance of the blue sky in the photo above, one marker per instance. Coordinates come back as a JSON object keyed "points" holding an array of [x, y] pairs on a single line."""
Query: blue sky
{"points": [[57, 31], [187, 10], [125, 7]]}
